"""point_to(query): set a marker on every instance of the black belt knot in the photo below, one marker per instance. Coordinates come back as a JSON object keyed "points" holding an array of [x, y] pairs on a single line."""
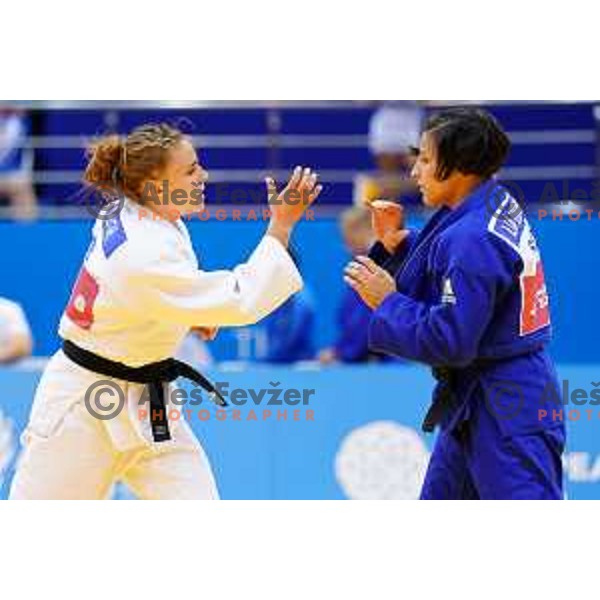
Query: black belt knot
{"points": [[155, 375], [444, 401]]}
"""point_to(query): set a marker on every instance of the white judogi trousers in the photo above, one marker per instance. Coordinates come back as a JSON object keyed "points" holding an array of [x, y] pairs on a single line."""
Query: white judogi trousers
{"points": [[68, 454]]}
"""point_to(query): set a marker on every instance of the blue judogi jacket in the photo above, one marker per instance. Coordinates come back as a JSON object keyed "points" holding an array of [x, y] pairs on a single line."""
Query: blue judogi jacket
{"points": [[472, 300]]}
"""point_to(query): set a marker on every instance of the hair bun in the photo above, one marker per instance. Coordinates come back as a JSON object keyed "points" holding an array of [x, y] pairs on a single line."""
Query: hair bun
{"points": [[104, 157]]}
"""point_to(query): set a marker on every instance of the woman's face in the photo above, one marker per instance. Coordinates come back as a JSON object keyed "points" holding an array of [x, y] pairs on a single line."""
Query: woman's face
{"points": [[433, 190], [185, 180]]}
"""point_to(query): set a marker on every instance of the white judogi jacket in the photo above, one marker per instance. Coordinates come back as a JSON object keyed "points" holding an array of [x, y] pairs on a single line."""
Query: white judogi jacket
{"points": [[140, 290], [138, 294]]}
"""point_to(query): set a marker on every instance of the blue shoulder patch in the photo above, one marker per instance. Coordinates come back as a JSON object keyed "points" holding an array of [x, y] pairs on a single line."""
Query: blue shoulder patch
{"points": [[113, 235], [508, 222]]}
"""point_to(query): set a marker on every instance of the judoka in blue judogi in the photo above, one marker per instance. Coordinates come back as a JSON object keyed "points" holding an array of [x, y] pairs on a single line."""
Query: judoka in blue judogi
{"points": [[467, 296]]}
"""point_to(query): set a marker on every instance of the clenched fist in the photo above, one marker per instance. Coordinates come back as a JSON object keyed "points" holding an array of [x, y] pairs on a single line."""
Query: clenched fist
{"points": [[388, 223]]}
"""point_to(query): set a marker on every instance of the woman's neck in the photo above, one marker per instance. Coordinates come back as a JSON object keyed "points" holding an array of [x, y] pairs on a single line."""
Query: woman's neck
{"points": [[464, 187]]}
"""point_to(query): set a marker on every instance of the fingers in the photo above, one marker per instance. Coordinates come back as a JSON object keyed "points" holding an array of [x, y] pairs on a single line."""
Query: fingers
{"points": [[271, 187], [372, 283], [371, 266], [304, 182], [312, 196], [303, 179], [312, 190], [385, 206], [296, 178], [352, 283], [358, 286], [389, 212], [308, 187], [362, 269], [362, 272], [357, 277], [357, 273], [382, 209], [352, 277], [308, 180]]}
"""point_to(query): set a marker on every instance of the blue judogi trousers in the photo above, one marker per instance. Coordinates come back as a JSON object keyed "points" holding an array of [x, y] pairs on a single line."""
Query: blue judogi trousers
{"points": [[477, 461]]}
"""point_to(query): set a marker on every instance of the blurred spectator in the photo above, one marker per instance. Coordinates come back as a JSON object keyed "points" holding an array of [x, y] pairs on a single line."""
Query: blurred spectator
{"points": [[16, 163], [290, 331], [394, 130], [15, 334], [352, 345], [288, 335]]}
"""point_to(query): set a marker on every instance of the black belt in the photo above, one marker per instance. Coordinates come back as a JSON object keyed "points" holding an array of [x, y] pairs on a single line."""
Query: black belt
{"points": [[155, 375], [444, 401]]}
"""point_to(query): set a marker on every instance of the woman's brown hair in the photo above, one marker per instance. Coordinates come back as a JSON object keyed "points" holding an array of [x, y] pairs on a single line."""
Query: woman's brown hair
{"points": [[124, 163]]}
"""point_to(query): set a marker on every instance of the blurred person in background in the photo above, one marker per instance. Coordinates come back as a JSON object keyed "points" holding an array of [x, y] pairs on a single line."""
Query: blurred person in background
{"points": [[289, 333], [16, 163], [15, 334], [354, 316], [394, 130]]}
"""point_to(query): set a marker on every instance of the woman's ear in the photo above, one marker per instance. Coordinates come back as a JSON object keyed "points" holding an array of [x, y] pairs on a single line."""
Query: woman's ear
{"points": [[151, 191], [158, 186]]}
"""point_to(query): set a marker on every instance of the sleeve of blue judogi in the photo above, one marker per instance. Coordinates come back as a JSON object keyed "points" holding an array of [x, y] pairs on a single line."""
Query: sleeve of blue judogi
{"points": [[446, 333], [392, 262]]}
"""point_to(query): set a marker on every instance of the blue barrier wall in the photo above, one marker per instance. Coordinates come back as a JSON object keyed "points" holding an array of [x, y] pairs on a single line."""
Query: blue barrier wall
{"points": [[332, 137], [362, 443], [39, 262]]}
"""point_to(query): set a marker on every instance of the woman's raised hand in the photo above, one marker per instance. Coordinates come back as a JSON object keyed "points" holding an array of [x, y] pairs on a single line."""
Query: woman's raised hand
{"points": [[388, 223], [289, 205]]}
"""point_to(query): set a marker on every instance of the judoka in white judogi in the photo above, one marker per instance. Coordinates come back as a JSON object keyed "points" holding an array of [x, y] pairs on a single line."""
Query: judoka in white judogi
{"points": [[138, 294]]}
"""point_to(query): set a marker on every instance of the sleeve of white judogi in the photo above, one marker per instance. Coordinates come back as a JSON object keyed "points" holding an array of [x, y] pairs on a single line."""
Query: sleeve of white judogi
{"points": [[172, 290]]}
